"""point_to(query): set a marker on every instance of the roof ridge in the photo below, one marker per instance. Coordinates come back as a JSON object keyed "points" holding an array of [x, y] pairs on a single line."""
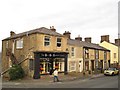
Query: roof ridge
{"points": [[42, 30]]}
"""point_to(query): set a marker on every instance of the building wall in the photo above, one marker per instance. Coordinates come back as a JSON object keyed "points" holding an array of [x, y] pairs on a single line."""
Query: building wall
{"points": [[75, 61], [91, 54], [113, 49], [53, 43], [31, 43]]}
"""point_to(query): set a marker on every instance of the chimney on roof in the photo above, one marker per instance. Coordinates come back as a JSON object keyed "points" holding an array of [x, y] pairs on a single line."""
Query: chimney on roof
{"points": [[78, 38], [52, 28], [105, 38], [67, 34], [117, 42], [87, 39], [12, 33]]}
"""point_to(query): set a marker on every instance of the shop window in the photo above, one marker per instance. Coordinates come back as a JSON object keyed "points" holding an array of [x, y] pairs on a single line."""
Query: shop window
{"points": [[19, 43], [58, 42], [46, 41]]}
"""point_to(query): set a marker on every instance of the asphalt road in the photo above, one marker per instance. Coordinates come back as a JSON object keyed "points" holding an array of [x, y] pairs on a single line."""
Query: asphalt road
{"points": [[102, 82]]}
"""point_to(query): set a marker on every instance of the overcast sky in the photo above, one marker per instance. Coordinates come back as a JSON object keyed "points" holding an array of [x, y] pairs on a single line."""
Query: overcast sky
{"points": [[87, 18]]}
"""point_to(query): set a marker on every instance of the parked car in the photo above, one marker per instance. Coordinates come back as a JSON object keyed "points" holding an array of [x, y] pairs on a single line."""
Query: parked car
{"points": [[111, 71]]}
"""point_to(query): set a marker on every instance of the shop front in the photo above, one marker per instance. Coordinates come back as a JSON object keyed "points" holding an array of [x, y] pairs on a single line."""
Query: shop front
{"points": [[46, 62]]}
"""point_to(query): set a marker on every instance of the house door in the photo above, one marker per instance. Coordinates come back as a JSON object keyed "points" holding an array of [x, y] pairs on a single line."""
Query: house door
{"points": [[92, 65]]}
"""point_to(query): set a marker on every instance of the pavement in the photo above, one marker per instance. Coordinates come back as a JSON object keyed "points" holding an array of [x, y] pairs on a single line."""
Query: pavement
{"points": [[49, 78]]}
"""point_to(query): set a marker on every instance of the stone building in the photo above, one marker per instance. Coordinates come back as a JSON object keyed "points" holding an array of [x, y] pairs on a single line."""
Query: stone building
{"points": [[86, 56], [39, 51]]}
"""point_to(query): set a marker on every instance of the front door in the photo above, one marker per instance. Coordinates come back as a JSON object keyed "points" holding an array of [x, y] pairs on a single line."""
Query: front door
{"points": [[92, 65]]}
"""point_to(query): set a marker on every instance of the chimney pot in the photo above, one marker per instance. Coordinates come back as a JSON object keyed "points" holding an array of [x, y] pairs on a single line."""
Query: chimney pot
{"points": [[105, 38], [117, 42], [12, 33], [52, 28], [78, 38], [87, 39], [67, 34]]}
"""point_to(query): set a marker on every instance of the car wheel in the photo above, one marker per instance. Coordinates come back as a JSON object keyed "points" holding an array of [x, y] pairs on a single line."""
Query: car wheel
{"points": [[112, 74]]}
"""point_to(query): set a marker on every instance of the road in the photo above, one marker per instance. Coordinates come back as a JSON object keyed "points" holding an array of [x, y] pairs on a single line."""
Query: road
{"points": [[102, 82]]}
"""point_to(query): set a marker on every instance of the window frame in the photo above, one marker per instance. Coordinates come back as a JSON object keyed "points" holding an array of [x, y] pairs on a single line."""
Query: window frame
{"points": [[46, 42], [115, 55], [19, 43], [59, 42], [72, 51]]}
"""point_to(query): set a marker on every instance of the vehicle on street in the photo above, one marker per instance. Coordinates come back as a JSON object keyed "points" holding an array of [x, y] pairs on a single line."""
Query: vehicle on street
{"points": [[111, 71]]}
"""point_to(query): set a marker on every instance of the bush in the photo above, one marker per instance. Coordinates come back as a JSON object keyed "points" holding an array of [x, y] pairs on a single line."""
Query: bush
{"points": [[16, 72]]}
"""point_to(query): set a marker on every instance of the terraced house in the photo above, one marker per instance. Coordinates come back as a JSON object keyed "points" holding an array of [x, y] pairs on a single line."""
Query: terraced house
{"points": [[86, 56], [41, 50], [114, 49]]}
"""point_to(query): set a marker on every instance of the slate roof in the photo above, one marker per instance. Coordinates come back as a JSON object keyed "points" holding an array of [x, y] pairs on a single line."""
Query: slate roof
{"points": [[41, 30], [85, 44]]}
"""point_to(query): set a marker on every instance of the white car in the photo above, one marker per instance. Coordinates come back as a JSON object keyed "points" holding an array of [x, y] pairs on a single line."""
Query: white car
{"points": [[111, 71]]}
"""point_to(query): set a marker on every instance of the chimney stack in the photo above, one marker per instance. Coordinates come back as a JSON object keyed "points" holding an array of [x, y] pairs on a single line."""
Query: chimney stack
{"points": [[67, 34], [88, 39], [12, 33], [52, 28], [117, 42], [105, 38], [78, 38]]}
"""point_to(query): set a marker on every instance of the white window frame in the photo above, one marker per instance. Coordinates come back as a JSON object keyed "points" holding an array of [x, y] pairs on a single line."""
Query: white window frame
{"points": [[19, 43], [59, 42], [47, 41], [73, 66]]}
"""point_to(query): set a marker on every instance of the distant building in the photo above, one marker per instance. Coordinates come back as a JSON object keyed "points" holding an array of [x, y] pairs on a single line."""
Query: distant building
{"points": [[86, 56], [113, 47]]}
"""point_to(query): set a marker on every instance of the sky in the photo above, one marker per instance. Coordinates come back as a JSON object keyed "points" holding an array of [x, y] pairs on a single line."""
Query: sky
{"points": [[87, 18]]}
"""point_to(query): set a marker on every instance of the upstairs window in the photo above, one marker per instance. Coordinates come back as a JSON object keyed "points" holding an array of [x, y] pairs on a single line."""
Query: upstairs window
{"points": [[19, 43], [115, 55], [46, 41], [97, 54], [86, 53], [7, 44], [105, 55], [59, 42], [72, 51]]}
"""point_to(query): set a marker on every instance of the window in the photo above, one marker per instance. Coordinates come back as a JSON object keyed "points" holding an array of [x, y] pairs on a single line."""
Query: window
{"points": [[31, 64], [58, 42], [46, 41], [73, 66], [19, 43], [86, 53], [6, 44], [105, 55], [72, 51], [114, 55], [97, 54]]}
